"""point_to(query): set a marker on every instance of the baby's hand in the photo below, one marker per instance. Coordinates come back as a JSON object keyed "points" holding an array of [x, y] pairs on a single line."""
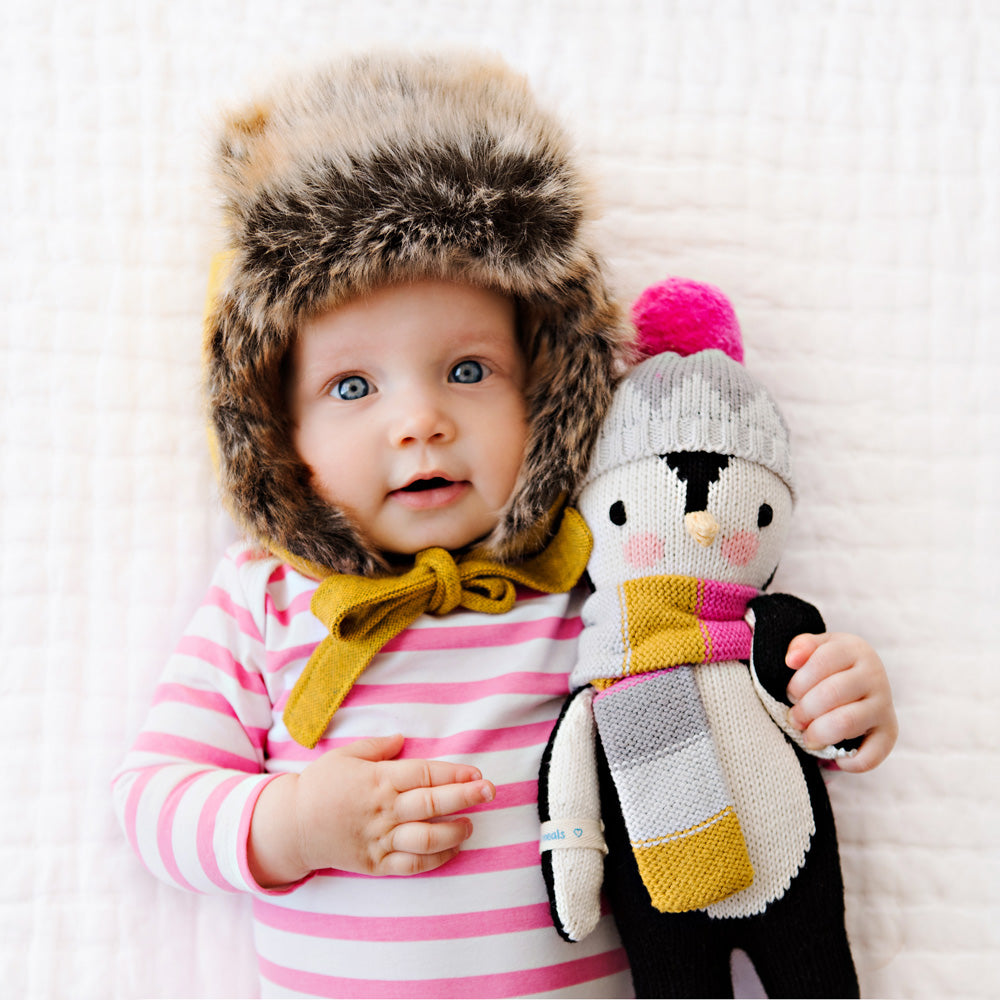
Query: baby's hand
{"points": [[840, 691], [359, 810]]}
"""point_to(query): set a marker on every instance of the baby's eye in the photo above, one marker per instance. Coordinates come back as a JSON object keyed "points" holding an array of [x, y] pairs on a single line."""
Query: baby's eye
{"points": [[468, 372], [617, 513], [765, 515], [352, 387]]}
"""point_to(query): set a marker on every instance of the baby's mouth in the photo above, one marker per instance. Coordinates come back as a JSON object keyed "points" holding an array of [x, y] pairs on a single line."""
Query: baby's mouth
{"points": [[426, 494], [422, 485]]}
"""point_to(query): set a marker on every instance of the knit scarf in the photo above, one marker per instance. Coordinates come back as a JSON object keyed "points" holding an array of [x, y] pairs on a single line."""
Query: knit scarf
{"points": [[643, 644], [363, 613]]}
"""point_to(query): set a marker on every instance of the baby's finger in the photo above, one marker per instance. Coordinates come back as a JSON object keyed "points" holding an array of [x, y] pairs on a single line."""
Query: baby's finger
{"points": [[800, 649], [400, 863], [873, 751], [832, 652], [842, 723], [419, 804], [840, 688], [430, 838], [422, 847], [373, 748], [404, 775]]}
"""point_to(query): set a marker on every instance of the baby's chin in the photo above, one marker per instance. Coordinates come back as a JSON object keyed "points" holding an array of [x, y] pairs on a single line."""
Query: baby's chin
{"points": [[456, 541]]}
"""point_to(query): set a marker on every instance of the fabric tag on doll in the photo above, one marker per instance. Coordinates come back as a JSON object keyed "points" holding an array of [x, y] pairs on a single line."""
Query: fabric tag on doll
{"points": [[557, 834]]}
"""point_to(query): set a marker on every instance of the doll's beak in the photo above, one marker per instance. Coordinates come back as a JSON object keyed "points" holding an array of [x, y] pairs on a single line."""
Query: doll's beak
{"points": [[701, 526]]}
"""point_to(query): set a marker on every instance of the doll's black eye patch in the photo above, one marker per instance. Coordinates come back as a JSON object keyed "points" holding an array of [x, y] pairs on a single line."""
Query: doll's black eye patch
{"points": [[617, 513], [765, 515], [697, 470]]}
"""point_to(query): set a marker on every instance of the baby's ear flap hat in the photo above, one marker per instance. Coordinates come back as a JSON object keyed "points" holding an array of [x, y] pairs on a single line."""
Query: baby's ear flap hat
{"points": [[385, 169], [692, 393]]}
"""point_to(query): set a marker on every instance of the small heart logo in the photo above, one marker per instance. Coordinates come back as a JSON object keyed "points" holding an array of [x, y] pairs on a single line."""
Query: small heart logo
{"points": [[578, 832]]}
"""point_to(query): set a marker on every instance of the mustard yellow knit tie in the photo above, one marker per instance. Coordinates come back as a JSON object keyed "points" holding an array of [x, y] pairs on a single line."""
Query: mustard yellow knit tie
{"points": [[363, 613]]}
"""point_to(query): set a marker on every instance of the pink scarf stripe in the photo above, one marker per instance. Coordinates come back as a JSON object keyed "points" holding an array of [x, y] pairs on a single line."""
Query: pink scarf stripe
{"points": [[727, 640], [723, 601], [720, 610]]}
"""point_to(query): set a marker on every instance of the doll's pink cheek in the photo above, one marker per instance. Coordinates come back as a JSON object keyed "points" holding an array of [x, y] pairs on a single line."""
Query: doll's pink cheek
{"points": [[643, 551], [740, 548]]}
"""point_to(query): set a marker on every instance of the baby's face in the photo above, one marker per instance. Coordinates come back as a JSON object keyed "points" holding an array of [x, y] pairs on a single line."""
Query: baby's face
{"points": [[409, 408]]}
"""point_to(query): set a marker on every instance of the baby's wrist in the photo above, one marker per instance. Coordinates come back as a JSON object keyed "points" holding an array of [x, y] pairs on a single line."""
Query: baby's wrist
{"points": [[274, 848]]}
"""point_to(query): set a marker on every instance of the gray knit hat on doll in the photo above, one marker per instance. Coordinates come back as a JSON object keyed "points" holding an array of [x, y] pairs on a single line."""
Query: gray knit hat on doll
{"points": [[694, 395], [383, 169]]}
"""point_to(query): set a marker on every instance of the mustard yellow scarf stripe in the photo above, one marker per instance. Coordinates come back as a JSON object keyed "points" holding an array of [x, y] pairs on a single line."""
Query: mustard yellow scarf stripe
{"points": [[362, 614], [660, 626], [661, 623]]}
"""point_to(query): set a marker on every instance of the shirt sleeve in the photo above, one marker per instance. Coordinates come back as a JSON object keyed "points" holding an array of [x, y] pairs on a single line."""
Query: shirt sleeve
{"points": [[186, 791]]}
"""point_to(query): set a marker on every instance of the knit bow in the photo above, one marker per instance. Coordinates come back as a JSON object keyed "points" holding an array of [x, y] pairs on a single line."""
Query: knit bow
{"points": [[363, 613]]}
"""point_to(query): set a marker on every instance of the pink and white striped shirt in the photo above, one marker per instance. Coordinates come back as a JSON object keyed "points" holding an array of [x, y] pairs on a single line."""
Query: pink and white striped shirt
{"points": [[464, 687]]}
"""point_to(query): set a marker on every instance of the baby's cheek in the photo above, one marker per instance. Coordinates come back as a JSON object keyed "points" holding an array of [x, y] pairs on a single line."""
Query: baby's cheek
{"points": [[643, 551], [740, 548]]}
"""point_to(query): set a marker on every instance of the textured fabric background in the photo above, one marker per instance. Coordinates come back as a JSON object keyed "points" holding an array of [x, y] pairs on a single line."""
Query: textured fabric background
{"points": [[833, 165]]}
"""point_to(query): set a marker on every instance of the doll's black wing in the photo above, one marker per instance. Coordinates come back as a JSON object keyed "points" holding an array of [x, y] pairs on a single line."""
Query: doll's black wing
{"points": [[778, 618]]}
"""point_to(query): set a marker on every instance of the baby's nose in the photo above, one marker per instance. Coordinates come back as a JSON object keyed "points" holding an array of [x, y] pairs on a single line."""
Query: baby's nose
{"points": [[422, 419]]}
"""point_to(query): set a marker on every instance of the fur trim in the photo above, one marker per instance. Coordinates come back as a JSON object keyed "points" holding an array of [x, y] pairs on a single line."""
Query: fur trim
{"points": [[394, 168]]}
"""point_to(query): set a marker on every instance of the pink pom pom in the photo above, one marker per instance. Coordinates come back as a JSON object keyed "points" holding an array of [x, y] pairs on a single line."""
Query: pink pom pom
{"points": [[686, 316]]}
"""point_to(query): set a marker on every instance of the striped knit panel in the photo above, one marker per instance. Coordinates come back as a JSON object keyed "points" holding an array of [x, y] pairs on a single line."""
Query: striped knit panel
{"points": [[721, 608], [679, 811], [659, 633], [648, 623], [466, 688]]}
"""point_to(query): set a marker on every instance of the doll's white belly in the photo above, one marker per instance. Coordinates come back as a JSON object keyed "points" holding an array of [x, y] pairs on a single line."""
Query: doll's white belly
{"points": [[766, 781]]}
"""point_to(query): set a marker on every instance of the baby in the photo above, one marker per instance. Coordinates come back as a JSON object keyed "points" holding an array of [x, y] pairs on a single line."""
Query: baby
{"points": [[411, 347]]}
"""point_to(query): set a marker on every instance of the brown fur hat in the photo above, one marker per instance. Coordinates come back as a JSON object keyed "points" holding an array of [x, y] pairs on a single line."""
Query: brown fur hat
{"points": [[389, 168]]}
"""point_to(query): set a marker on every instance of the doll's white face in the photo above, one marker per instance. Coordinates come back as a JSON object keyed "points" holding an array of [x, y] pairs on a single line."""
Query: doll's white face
{"points": [[718, 518]]}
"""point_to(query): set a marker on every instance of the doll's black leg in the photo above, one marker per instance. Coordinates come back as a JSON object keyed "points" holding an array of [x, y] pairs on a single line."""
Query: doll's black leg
{"points": [[671, 954], [799, 945]]}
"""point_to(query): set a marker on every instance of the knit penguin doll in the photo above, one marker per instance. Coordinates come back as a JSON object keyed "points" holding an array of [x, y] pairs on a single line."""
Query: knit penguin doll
{"points": [[673, 779]]}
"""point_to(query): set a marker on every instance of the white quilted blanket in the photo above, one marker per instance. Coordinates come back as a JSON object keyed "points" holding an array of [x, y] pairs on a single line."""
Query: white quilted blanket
{"points": [[833, 165]]}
